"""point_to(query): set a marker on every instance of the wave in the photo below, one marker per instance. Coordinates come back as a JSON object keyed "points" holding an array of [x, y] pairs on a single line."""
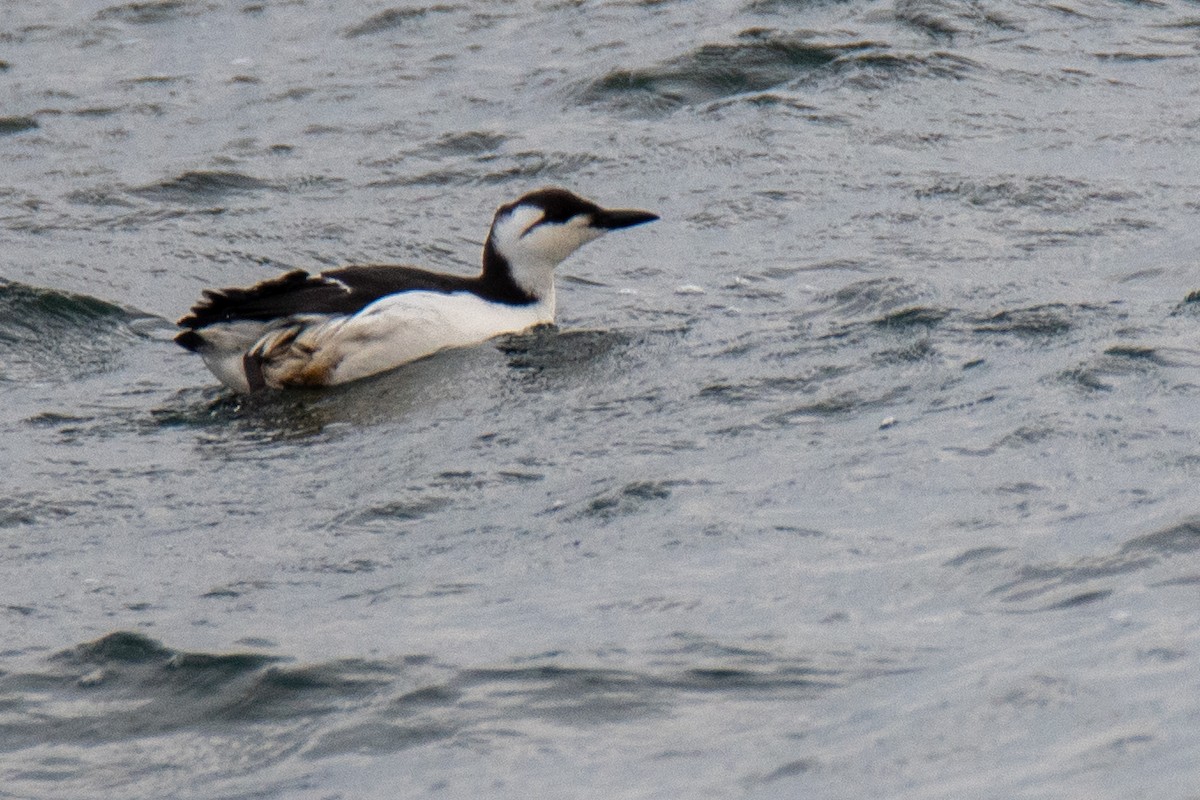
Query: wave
{"points": [[201, 186], [758, 60], [147, 13], [79, 720], [52, 336], [9, 125], [393, 18], [1055, 586]]}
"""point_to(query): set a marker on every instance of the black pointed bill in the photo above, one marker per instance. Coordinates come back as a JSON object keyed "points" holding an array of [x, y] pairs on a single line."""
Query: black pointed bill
{"points": [[612, 219]]}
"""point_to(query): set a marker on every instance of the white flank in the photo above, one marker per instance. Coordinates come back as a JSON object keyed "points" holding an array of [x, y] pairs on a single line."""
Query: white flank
{"points": [[390, 332], [402, 328]]}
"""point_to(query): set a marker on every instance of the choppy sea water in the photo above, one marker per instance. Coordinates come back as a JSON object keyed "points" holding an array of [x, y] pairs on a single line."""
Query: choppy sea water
{"points": [[868, 471]]}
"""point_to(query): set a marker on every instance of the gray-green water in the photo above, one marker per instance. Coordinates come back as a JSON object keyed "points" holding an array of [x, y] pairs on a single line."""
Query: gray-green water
{"points": [[869, 471]]}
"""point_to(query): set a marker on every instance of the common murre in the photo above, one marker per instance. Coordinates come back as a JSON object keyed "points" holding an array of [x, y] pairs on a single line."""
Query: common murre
{"points": [[301, 329]]}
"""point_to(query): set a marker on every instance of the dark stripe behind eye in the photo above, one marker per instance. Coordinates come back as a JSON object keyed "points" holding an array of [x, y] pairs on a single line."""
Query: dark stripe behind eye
{"points": [[532, 225]]}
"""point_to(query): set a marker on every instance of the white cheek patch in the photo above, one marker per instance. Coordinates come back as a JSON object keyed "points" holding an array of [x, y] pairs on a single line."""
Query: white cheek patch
{"points": [[559, 240], [517, 223]]}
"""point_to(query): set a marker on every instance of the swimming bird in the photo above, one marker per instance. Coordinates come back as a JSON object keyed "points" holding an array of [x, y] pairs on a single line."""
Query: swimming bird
{"points": [[303, 330]]}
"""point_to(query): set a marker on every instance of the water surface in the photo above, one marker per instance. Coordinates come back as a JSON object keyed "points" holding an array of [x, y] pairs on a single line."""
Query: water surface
{"points": [[868, 471]]}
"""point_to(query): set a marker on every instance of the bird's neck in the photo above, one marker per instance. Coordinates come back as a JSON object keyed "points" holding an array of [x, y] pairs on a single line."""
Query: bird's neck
{"points": [[520, 280]]}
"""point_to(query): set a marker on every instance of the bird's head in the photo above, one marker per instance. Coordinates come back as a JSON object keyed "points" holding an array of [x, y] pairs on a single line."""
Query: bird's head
{"points": [[534, 234]]}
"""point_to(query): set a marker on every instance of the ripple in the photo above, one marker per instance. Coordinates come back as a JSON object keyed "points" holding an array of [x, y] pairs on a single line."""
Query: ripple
{"points": [[468, 143], [548, 355], [375, 738], [876, 70], [1051, 319], [11, 125], [1060, 583], [387, 515], [1048, 193], [392, 19], [918, 14], [943, 20], [629, 499], [1104, 371], [880, 298], [29, 511], [1174, 540], [148, 13], [125, 686], [763, 59], [98, 197], [497, 168], [201, 186], [759, 59], [46, 335], [744, 392], [92, 708], [914, 316]]}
